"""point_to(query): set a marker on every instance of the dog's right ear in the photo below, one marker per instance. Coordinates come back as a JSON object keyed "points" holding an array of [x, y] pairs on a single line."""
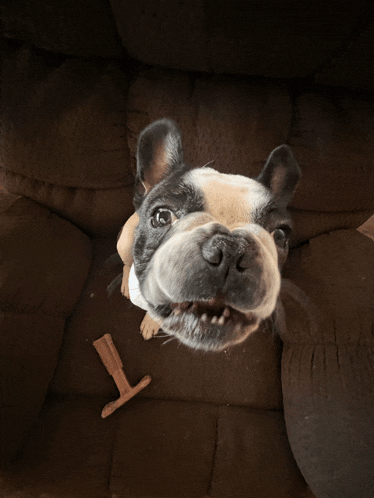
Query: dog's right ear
{"points": [[159, 153]]}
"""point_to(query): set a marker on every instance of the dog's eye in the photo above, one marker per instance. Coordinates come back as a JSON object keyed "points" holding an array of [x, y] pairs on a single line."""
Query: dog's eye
{"points": [[280, 236], [162, 218]]}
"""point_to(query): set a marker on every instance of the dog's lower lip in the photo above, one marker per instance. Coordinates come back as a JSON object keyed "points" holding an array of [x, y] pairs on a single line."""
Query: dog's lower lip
{"points": [[211, 312]]}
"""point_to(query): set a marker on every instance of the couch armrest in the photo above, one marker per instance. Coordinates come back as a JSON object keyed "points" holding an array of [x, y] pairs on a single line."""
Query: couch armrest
{"points": [[327, 363], [44, 262]]}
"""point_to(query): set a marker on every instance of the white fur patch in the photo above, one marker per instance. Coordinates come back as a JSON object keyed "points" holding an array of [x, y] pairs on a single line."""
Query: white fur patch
{"points": [[134, 291]]}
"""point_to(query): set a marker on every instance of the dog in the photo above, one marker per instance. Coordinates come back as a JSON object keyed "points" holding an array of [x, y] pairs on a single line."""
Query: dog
{"points": [[209, 247]]}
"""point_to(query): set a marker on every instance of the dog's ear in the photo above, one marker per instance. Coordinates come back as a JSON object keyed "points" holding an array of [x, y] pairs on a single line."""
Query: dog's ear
{"points": [[159, 152], [281, 174]]}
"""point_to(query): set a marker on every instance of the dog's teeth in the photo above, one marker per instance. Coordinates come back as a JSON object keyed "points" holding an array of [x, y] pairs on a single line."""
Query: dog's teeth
{"points": [[214, 320], [221, 321], [226, 312], [177, 311], [193, 308], [204, 317]]}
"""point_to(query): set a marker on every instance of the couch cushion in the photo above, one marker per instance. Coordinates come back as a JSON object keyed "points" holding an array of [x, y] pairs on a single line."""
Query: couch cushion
{"points": [[44, 262], [253, 457], [151, 448], [353, 66], [333, 140], [327, 363], [68, 27], [68, 453], [256, 38], [64, 140]]}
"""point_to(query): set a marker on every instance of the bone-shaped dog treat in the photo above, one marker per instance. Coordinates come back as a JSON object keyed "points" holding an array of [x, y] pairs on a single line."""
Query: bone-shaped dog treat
{"points": [[110, 357], [148, 327]]}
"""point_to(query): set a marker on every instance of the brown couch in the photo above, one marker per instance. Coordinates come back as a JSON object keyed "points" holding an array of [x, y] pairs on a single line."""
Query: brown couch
{"points": [[290, 412]]}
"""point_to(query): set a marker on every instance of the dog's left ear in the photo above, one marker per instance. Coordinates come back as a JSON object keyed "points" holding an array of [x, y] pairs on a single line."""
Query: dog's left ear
{"points": [[159, 152], [281, 174]]}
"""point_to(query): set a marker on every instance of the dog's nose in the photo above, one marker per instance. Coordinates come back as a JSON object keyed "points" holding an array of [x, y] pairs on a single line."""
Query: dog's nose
{"points": [[212, 250], [224, 251]]}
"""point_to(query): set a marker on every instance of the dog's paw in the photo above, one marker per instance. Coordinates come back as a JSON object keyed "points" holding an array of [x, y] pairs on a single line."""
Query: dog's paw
{"points": [[149, 327]]}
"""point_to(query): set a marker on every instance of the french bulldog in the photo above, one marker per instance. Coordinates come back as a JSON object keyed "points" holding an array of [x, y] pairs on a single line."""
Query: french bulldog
{"points": [[209, 247]]}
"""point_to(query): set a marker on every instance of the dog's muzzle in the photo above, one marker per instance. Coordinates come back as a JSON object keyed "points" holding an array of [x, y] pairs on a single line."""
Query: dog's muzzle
{"points": [[210, 286]]}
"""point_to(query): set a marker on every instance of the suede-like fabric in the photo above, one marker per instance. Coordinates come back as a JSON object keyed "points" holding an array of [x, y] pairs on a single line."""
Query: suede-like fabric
{"points": [[266, 38], [154, 448], [68, 454], [329, 43], [76, 28], [64, 137], [44, 262], [353, 66], [333, 140], [327, 363], [64, 119]]}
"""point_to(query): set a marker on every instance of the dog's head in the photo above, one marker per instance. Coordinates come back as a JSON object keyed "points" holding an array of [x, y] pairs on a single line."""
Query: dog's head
{"points": [[209, 246]]}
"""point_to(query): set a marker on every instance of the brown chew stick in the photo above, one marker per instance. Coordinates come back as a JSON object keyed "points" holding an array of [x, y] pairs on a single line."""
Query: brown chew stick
{"points": [[110, 357]]}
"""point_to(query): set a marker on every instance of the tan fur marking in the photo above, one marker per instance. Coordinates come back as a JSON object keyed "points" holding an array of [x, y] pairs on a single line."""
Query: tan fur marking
{"points": [[230, 199], [227, 204]]}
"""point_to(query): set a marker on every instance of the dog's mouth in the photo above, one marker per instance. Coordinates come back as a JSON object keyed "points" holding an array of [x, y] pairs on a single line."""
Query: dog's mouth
{"points": [[212, 312], [211, 325]]}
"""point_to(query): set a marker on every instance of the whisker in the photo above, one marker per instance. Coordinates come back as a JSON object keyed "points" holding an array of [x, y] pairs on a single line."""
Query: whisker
{"points": [[169, 340], [210, 162], [114, 284]]}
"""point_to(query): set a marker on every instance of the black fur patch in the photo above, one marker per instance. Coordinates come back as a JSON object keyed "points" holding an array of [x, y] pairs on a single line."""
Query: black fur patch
{"points": [[173, 193]]}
